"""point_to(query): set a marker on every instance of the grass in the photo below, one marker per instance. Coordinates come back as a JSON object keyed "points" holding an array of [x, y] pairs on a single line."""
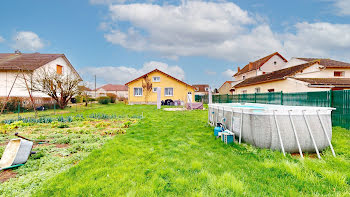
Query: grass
{"points": [[69, 143], [175, 154]]}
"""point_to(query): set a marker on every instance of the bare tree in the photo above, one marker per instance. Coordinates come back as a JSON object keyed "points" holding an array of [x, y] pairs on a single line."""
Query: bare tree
{"points": [[60, 87], [147, 87]]}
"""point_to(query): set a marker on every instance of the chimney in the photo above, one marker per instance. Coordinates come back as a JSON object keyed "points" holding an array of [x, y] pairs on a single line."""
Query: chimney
{"points": [[238, 69], [250, 66]]}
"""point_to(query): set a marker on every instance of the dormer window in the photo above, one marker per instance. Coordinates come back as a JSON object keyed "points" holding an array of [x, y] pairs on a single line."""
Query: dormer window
{"points": [[339, 73], [59, 69], [206, 89], [156, 79], [275, 63]]}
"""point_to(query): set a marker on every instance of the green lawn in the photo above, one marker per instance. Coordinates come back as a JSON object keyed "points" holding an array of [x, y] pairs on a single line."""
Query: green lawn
{"points": [[176, 154]]}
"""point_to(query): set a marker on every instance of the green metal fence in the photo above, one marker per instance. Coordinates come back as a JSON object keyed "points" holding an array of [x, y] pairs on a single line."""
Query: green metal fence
{"points": [[339, 99]]}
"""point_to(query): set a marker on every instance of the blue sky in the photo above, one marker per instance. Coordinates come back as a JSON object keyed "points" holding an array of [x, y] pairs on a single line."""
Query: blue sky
{"points": [[198, 41]]}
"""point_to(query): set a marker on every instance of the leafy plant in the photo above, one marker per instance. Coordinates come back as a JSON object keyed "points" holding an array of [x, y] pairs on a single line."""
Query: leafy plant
{"points": [[104, 100]]}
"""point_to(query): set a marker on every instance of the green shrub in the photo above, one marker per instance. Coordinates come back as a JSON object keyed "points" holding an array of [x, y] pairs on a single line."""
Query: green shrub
{"points": [[78, 99], [112, 97], [104, 100]]}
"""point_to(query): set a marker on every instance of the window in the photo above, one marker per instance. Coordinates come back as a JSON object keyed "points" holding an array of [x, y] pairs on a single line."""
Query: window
{"points": [[274, 62], [338, 73], [156, 79], [137, 91], [168, 91], [257, 90], [244, 91], [243, 77], [154, 89], [59, 69], [206, 89], [271, 90]]}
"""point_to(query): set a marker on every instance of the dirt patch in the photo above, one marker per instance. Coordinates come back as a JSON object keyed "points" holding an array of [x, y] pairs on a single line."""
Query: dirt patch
{"points": [[44, 144], [62, 145], [308, 155], [6, 175]]}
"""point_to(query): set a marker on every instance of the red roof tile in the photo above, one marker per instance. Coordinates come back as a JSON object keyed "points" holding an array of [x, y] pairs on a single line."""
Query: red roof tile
{"points": [[328, 63], [25, 61], [276, 75], [326, 81], [114, 87], [201, 87], [257, 64]]}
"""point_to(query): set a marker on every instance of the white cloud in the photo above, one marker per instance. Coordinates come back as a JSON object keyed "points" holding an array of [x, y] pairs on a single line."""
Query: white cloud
{"points": [[194, 28], [343, 6], [123, 74], [27, 41], [318, 40], [2, 39], [228, 73], [218, 30]]}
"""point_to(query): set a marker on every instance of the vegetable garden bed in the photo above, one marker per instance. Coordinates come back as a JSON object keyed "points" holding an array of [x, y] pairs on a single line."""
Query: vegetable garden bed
{"points": [[70, 139]]}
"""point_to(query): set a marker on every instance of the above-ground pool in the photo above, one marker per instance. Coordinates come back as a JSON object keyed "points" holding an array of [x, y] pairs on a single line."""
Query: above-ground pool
{"points": [[277, 127]]}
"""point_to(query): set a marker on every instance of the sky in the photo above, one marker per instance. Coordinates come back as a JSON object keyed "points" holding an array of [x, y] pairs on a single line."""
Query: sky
{"points": [[200, 42]]}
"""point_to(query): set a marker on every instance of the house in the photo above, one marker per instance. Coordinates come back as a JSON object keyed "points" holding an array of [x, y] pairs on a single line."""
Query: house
{"points": [[143, 90], [121, 91], [226, 87], [309, 74], [201, 89], [270, 63], [15, 64]]}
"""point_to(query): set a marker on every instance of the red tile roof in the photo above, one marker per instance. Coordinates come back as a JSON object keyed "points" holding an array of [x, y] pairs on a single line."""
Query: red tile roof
{"points": [[201, 87], [276, 75], [328, 63], [25, 61], [326, 81], [257, 64], [156, 70], [114, 87]]}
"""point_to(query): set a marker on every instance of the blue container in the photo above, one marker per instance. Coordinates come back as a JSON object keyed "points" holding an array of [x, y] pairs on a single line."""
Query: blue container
{"points": [[227, 138], [218, 128]]}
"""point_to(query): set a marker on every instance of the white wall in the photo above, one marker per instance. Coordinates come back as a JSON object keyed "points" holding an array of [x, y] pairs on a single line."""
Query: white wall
{"points": [[269, 66], [287, 85], [293, 62], [8, 77]]}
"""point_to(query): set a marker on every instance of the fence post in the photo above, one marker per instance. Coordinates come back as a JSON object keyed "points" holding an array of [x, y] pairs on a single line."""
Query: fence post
{"points": [[330, 98], [281, 97], [254, 97]]}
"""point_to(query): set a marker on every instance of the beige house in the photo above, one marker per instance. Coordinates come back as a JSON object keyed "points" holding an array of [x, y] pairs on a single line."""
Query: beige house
{"points": [[300, 75], [226, 87], [121, 91]]}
